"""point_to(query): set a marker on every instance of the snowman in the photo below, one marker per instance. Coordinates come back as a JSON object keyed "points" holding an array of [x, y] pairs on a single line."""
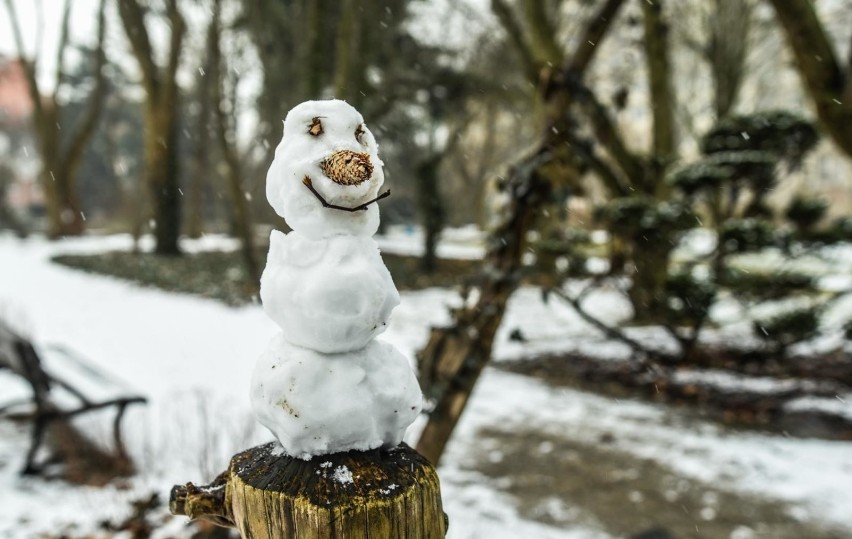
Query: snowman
{"points": [[324, 384]]}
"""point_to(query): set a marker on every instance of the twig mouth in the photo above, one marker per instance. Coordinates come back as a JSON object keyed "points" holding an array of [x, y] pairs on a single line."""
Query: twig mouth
{"points": [[361, 207], [345, 167]]}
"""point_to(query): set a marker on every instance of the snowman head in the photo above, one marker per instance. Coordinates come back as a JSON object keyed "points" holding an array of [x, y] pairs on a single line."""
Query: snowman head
{"points": [[326, 171]]}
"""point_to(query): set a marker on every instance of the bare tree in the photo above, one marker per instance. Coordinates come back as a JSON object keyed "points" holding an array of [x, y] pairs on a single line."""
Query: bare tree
{"points": [[162, 94], [61, 153]]}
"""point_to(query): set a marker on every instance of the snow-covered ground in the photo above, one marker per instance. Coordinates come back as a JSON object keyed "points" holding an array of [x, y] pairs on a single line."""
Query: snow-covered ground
{"points": [[192, 358]]}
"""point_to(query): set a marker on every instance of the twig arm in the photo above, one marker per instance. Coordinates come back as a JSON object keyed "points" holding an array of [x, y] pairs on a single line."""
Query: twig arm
{"points": [[362, 207], [208, 502]]}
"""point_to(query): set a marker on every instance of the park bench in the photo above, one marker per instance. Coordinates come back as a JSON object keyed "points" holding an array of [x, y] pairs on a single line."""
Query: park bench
{"points": [[55, 385]]}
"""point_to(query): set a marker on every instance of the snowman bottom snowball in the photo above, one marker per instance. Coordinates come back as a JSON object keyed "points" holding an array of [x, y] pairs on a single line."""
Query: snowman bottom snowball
{"points": [[318, 403]]}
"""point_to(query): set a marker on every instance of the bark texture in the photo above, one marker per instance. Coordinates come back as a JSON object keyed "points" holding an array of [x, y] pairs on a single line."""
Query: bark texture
{"points": [[375, 494]]}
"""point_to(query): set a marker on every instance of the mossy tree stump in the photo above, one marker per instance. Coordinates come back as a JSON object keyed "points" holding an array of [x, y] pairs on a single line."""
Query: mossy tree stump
{"points": [[374, 494]]}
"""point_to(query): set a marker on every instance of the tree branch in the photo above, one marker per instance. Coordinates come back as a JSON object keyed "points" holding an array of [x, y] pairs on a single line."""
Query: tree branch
{"points": [[29, 66], [133, 20], [847, 92], [516, 36], [178, 26], [60, 50], [819, 68], [587, 44], [609, 331], [607, 134], [543, 44], [86, 127], [604, 170], [810, 44]]}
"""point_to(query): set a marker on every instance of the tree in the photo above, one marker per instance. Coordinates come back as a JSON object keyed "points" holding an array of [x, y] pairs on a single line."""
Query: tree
{"points": [[162, 93], [827, 79], [453, 358], [61, 147], [225, 132]]}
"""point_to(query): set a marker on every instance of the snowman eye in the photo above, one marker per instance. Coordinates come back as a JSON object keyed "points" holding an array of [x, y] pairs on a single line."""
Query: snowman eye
{"points": [[315, 128], [359, 132]]}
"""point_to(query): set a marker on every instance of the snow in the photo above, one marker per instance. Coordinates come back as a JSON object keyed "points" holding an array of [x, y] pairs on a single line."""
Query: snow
{"points": [[343, 475], [300, 154], [189, 356], [839, 405], [736, 383], [331, 295], [324, 385], [464, 243], [327, 403], [812, 475]]}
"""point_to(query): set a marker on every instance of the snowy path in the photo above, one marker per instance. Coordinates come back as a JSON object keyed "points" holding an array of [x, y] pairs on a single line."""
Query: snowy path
{"points": [[193, 357]]}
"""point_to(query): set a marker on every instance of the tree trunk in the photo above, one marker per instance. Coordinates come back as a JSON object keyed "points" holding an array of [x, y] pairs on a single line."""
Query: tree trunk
{"points": [[452, 360], [380, 494], [160, 119], [161, 174], [431, 210], [662, 97], [48, 140], [648, 290], [454, 357], [350, 54], [317, 22], [242, 219], [200, 160], [650, 255]]}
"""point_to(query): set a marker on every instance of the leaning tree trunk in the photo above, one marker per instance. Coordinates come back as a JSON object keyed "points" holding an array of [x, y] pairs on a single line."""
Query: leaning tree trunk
{"points": [[454, 357]]}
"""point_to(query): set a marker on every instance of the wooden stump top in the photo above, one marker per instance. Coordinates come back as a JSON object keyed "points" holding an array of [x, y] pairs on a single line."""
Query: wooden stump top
{"points": [[335, 478], [358, 494]]}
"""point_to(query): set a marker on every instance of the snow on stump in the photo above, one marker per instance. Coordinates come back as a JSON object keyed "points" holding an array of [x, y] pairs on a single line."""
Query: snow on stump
{"points": [[337, 400], [358, 494]]}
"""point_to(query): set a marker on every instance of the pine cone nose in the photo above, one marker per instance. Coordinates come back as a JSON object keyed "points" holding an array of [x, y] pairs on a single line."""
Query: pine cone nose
{"points": [[346, 167]]}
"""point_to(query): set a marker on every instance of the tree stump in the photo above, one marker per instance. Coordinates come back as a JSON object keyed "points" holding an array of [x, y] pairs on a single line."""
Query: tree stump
{"points": [[373, 494]]}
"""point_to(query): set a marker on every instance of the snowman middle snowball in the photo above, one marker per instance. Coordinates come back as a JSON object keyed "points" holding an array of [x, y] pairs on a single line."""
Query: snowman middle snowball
{"points": [[324, 385], [325, 284]]}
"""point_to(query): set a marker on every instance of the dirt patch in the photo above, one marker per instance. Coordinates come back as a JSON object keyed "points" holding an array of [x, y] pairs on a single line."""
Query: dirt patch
{"points": [[566, 483], [741, 408]]}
